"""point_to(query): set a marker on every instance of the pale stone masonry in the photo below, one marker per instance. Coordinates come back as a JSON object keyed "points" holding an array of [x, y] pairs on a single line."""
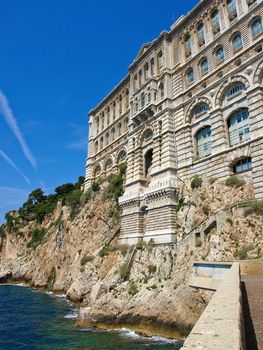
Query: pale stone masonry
{"points": [[190, 104]]}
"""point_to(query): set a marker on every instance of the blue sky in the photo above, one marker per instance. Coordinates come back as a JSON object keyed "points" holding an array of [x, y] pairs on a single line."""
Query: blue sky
{"points": [[58, 59]]}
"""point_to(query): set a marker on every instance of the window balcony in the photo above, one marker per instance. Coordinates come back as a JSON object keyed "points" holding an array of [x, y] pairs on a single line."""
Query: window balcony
{"points": [[201, 41], [188, 52], [232, 14], [144, 113], [216, 29]]}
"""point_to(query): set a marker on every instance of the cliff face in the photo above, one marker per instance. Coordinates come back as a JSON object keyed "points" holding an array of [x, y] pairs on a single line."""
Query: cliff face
{"points": [[146, 285]]}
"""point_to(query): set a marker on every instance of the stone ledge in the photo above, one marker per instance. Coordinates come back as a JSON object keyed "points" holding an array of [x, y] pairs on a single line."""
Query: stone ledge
{"points": [[220, 325]]}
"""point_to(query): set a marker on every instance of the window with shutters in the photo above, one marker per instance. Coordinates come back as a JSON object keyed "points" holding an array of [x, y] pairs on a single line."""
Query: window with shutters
{"points": [[203, 142], [238, 127]]}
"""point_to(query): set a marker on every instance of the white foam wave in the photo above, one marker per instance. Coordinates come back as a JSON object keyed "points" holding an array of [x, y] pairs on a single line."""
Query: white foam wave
{"points": [[14, 284], [72, 315], [127, 333], [163, 340], [62, 296]]}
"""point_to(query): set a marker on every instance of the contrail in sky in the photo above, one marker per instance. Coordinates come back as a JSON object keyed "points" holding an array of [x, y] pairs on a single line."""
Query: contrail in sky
{"points": [[10, 162], [11, 121]]}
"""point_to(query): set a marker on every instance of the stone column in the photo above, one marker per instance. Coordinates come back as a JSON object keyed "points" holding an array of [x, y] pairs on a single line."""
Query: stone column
{"points": [[130, 161], [219, 132], [255, 104], [223, 13], [90, 154], [167, 140], [208, 29], [184, 146], [241, 6], [257, 169]]}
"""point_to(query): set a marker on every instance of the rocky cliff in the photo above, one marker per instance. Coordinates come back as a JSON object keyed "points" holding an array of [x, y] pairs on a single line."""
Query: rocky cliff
{"points": [[144, 286]]}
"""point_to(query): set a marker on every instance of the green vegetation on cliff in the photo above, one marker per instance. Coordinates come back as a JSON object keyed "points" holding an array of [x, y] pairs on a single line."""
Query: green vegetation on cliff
{"points": [[39, 206]]}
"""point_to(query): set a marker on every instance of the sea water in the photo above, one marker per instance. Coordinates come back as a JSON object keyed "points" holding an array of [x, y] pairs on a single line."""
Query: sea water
{"points": [[30, 319]]}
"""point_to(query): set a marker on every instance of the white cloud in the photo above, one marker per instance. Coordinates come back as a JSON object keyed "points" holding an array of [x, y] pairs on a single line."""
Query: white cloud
{"points": [[78, 145], [79, 135], [13, 165], [12, 196], [43, 186], [11, 121]]}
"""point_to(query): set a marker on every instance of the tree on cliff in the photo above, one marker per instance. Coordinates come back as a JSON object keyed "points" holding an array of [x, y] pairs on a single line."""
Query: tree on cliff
{"points": [[36, 196]]}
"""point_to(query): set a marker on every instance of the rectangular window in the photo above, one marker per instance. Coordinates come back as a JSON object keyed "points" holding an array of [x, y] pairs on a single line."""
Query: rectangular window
{"points": [[231, 5], [242, 165]]}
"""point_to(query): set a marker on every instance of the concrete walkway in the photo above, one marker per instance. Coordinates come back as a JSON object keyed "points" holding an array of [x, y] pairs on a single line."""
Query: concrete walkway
{"points": [[252, 293]]}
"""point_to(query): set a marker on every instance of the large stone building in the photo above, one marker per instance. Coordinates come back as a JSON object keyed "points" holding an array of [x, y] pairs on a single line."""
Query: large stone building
{"points": [[191, 104]]}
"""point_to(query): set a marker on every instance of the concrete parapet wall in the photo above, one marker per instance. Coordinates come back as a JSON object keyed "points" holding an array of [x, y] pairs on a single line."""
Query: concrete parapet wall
{"points": [[209, 275], [220, 325]]}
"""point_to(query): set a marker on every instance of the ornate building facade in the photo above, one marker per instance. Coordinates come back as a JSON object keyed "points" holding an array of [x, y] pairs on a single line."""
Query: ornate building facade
{"points": [[192, 103]]}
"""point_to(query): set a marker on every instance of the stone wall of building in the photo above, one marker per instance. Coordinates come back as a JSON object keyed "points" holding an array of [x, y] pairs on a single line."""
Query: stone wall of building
{"points": [[191, 104]]}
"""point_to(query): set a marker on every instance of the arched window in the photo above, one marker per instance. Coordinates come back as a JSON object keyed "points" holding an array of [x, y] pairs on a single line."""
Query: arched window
{"points": [[126, 122], [219, 54], [238, 127], [234, 90], [120, 104], [109, 164], [113, 134], [142, 100], [108, 115], [135, 79], [97, 125], [140, 77], [237, 42], [152, 66], [121, 157], [203, 142], [201, 34], [97, 170], [161, 89], [107, 137], [119, 129], [232, 9], [190, 76], [256, 28], [149, 97], [204, 66], [127, 99], [146, 71], [148, 134], [160, 59], [187, 43], [101, 142], [244, 164], [114, 109], [148, 159], [215, 21], [201, 109], [96, 148], [102, 120]]}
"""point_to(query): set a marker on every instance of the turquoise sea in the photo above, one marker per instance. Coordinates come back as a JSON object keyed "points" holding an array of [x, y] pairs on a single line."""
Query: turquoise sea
{"points": [[30, 319]]}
